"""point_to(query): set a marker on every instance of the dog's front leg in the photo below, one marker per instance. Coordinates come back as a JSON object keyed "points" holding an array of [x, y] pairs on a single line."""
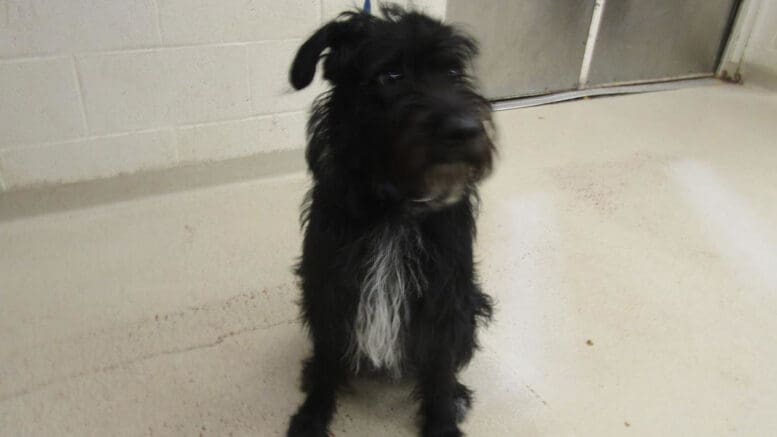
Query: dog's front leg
{"points": [[441, 396], [323, 374]]}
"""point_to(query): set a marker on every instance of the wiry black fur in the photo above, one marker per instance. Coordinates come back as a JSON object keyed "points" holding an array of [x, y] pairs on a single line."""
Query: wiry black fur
{"points": [[374, 140]]}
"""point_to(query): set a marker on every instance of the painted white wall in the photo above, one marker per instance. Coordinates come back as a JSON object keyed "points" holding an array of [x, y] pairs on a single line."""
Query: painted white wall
{"points": [[94, 88]]}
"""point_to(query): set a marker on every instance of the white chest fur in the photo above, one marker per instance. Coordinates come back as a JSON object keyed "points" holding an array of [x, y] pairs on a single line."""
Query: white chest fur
{"points": [[392, 275]]}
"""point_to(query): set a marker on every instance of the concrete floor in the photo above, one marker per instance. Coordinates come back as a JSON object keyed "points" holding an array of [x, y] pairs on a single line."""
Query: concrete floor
{"points": [[631, 243]]}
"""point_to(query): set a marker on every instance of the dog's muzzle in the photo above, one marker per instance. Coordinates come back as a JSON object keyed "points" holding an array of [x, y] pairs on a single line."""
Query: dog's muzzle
{"points": [[460, 156], [445, 184]]}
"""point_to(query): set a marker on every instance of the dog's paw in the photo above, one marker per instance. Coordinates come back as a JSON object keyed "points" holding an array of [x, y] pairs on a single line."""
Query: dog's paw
{"points": [[306, 425]]}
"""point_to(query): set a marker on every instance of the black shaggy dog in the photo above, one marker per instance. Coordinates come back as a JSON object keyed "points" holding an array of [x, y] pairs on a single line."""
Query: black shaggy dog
{"points": [[395, 149]]}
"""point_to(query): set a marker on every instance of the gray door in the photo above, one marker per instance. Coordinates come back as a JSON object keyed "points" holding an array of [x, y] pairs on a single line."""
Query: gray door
{"points": [[532, 47], [645, 40], [527, 46]]}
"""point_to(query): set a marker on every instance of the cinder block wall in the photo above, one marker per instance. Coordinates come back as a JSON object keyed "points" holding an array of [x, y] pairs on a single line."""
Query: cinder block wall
{"points": [[95, 88]]}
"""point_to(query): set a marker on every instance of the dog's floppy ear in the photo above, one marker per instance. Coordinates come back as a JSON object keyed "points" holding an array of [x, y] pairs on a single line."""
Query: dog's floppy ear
{"points": [[304, 67], [347, 29]]}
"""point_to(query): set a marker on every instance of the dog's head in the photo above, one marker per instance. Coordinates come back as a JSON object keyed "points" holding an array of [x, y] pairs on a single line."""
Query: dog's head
{"points": [[403, 113]]}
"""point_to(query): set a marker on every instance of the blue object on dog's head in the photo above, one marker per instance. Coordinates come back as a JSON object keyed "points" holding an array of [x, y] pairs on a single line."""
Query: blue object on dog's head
{"points": [[367, 6]]}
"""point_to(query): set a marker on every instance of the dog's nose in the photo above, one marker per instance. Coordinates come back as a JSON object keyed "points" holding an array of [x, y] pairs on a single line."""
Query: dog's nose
{"points": [[461, 127]]}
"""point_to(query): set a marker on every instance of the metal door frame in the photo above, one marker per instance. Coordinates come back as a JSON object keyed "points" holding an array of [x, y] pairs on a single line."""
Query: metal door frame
{"points": [[742, 26]]}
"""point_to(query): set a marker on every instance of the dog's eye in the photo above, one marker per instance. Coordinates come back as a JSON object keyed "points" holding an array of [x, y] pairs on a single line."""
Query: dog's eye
{"points": [[455, 72], [390, 76]]}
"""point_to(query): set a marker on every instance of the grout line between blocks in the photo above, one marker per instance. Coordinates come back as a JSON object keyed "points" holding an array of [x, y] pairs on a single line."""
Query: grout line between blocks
{"points": [[238, 120], [248, 82], [81, 99], [33, 58], [187, 46], [147, 49], [148, 130], [75, 140], [157, 20], [176, 149], [3, 186]]}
